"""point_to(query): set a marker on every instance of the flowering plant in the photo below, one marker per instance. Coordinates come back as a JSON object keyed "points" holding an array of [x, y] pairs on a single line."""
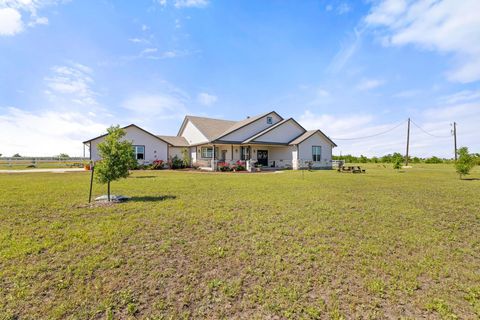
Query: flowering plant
{"points": [[157, 164]]}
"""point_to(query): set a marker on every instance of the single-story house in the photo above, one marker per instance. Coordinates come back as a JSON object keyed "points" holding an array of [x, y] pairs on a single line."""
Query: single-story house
{"points": [[266, 140]]}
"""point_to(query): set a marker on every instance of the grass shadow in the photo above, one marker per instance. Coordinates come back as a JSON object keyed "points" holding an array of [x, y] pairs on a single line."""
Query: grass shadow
{"points": [[144, 177], [152, 198], [470, 179]]}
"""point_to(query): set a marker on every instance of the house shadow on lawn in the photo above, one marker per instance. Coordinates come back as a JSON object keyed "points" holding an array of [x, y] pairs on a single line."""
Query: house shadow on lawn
{"points": [[152, 198]]}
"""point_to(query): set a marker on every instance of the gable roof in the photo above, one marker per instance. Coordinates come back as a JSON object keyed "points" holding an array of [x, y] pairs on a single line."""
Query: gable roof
{"points": [[276, 125], [130, 125], [307, 135], [209, 127], [240, 124], [175, 141]]}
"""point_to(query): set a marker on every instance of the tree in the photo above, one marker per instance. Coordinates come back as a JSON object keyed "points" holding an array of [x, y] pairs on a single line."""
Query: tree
{"points": [[117, 157], [16, 155], [397, 163], [186, 157], [465, 162], [63, 156]]}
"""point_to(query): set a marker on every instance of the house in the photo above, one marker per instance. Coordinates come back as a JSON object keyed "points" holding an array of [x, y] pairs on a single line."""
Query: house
{"points": [[267, 140]]}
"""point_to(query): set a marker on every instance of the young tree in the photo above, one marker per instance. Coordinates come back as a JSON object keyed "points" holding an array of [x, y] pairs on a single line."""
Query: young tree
{"points": [[117, 157], [63, 156], [186, 157], [397, 164], [465, 162]]}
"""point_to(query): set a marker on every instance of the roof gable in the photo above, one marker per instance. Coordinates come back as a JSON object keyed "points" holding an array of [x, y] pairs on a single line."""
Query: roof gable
{"points": [[126, 127], [281, 132], [209, 127], [245, 123], [308, 134]]}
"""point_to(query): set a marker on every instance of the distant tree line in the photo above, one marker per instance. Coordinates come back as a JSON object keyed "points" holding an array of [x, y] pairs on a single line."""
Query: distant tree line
{"points": [[396, 157]]}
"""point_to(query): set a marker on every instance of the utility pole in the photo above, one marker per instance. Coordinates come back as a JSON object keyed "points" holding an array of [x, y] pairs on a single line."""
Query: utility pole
{"points": [[455, 138], [408, 142]]}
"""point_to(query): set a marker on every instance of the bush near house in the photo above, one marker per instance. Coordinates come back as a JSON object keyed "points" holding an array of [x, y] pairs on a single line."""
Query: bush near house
{"points": [[157, 165]]}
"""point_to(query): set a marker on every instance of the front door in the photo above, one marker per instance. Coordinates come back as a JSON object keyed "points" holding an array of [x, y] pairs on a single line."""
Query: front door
{"points": [[262, 157]]}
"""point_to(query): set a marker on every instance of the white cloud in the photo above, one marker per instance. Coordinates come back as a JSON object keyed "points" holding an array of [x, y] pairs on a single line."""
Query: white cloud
{"points": [[73, 82], [346, 52], [45, 133], [14, 12], [446, 26], [157, 105], [206, 99], [344, 8], [191, 3], [10, 22], [462, 96], [145, 27], [139, 40], [436, 120], [368, 84]]}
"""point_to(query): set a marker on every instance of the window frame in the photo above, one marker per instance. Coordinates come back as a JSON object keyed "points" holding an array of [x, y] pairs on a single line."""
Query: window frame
{"points": [[206, 148], [315, 155], [135, 151]]}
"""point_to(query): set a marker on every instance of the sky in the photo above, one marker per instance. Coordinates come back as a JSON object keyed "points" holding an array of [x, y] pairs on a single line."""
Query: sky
{"points": [[353, 69]]}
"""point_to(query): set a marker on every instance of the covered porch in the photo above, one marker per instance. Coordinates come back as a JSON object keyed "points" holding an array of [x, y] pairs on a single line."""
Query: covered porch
{"points": [[252, 156]]}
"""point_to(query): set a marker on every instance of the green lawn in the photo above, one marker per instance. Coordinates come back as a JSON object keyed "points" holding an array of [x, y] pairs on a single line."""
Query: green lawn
{"points": [[312, 245]]}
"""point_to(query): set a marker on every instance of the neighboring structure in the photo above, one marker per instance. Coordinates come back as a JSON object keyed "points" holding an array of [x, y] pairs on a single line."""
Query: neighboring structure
{"points": [[266, 140]]}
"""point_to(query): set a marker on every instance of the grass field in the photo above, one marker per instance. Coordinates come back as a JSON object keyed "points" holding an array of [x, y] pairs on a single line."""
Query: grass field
{"points": [[312, 245], [25, 165]]}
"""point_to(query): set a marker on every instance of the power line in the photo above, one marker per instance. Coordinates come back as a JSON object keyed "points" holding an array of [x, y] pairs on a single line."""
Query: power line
{"points": [[430, 134], [373, 135]]}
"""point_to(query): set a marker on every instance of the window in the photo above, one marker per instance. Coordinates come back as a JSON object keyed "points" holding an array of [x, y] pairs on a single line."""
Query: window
{"points": [[207, 152], [316, 153], [245, 153], [269, 120], [139, 152]]}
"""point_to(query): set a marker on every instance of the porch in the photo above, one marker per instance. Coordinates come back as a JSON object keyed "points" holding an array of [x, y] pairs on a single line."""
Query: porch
{"points": [[265, 157]]}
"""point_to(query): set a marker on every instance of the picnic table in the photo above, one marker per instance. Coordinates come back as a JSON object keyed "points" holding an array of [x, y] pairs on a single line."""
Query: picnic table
{"points": [[351, 169]]}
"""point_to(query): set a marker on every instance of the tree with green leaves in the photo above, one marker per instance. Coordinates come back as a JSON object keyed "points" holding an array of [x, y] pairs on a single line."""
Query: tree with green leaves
{"points": [[63, 156], [465, 162], [117, 157], [397, 164], [186, 157]]}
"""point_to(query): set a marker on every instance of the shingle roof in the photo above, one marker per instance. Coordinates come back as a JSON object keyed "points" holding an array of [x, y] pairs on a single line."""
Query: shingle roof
{"points": [[211, 128], [307, 135], [175, 141]]}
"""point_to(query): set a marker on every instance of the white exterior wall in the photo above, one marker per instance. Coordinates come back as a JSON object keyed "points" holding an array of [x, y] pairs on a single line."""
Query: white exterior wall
{"points": [[305, 151], [252, 129], [155, 149], [284, 133], [176, 151], [192, 134]]}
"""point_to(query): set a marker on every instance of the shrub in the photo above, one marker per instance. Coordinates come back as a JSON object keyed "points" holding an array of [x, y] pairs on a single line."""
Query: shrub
{"points": [[239, 166], [434, 160], [176, 163], [397, 165], [223, 166], [157, 165], [465, 162]]}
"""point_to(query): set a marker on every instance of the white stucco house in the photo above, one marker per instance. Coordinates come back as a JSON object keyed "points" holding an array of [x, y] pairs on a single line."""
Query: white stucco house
{"points": [[266, 140]]}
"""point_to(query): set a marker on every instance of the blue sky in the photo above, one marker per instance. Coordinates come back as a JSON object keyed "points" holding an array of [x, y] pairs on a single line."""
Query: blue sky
{"points": [[69, 69]]}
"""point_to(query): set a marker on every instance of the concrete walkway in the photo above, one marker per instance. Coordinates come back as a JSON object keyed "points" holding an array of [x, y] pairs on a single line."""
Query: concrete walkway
{"points": [[53, 170]]}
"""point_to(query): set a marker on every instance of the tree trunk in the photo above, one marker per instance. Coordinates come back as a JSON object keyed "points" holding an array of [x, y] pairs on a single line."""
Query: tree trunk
{"points": [[108, 192]]}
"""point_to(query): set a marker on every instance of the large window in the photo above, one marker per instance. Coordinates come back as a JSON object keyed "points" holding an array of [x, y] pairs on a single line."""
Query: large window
{"points": [[245, 153], [139, 152], [316, 153], [207, 152]]}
